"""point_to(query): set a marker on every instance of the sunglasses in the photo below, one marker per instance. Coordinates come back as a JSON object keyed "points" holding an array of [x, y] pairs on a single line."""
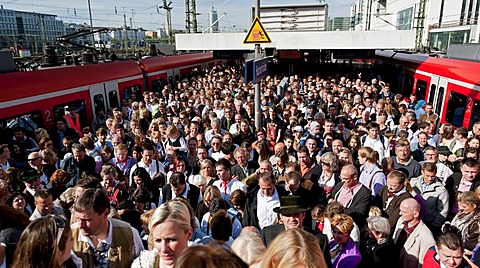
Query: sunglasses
{"points": [[33, 159], [60, 224]]}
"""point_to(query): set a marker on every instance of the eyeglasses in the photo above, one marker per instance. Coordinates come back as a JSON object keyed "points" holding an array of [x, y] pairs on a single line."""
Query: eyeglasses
{"points": [[33, 159], [60, 223]]}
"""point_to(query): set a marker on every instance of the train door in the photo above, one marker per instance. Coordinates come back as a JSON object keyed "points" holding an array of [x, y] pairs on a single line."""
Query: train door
{"points": [[104, 96], [436, 94]]}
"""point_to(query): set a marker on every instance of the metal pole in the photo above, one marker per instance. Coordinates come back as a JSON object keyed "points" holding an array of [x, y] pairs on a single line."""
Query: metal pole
{"points": [[91, 23], [258, 111]]}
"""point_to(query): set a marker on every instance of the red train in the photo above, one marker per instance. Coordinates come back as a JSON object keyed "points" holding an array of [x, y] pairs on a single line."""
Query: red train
{"points": [[37, 97], [452, 86]]}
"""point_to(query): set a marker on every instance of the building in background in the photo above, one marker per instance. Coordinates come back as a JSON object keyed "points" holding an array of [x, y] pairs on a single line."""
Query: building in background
{"points": [[213, 21], [295, 17], [70, 28], [339, 24], [121, 38], [28, 29], [438, 23]]}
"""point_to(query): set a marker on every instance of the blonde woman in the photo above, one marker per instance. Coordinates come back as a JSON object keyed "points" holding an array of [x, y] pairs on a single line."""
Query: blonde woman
{"points": [[293, 248], [170, 231], [344, 251]]}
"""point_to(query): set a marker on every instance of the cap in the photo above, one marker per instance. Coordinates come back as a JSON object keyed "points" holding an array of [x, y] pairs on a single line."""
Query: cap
{"points": [[30, 175], [196, 119], [298, 129], [313, 125]]}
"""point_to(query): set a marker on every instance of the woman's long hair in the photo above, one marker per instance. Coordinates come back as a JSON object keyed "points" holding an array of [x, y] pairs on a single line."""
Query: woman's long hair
{"points": [[38, 246]]}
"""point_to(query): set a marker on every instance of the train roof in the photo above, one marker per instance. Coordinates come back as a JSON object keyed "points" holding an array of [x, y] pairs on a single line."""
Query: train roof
{"points": [[462, 70], [24, 84], [155, 64]]}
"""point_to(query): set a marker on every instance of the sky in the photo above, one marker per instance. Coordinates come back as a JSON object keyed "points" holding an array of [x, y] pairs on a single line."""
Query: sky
{"points": [[109, 13]]}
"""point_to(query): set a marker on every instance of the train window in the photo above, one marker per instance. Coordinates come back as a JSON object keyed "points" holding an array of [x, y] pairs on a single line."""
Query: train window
{"points": [[60, 111], [170, 80], [113, 99], [441, 94], [30, 121], [431, 94], [177, 78], [421, 89], [158, 85], [475, 113], [99, 102], [456, 108], [133, 90]]}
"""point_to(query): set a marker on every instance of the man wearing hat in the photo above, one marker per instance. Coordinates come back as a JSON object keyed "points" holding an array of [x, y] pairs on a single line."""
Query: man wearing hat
{"points": [[292, 212], [31, 180]]}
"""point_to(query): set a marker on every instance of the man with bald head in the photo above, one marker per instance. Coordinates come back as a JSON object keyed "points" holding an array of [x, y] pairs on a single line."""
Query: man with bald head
{"points": [[353, 195], [280, 146], [35, 160], [412, 237]]}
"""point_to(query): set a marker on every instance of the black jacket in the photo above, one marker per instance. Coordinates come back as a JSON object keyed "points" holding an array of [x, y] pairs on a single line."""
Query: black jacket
{"points": [[250, 214], [451, 184], [192, 195], [238, 171], [358, 206]]}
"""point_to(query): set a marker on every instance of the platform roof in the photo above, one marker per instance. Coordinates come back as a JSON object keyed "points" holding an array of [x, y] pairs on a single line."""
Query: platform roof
{"points": [[301, 40]]}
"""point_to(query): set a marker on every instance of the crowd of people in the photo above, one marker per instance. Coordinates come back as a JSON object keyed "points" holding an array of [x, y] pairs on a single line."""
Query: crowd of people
{"points": [[343, 173]]}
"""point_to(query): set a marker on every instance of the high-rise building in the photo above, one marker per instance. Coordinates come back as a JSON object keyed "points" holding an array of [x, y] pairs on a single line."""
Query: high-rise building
{"points": [[28, 29], [339, 24], [437, 23], [213, 17]]}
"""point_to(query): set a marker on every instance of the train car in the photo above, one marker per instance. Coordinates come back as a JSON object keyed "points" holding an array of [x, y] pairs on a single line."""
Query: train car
{"points": [[36, 99], [173, 69], [452, 86]]}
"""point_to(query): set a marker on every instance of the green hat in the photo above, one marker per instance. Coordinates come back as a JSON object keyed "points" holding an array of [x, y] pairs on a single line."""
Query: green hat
{"points": [[30, 175], [290, 204]]}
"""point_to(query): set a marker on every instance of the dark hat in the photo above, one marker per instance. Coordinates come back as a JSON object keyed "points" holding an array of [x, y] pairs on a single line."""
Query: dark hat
{"points": [[444, 150], [290, 205], [30, 175]]}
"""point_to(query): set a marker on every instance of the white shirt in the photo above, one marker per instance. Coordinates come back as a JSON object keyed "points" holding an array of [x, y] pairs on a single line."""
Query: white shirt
{"points": [[376, 144], [154, 168], [233, 185], [265, 206]]}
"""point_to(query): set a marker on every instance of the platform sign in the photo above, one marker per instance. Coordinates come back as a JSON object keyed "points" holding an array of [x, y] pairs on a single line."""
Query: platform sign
{"points": [[257, 34], [248, 68], [260, 68]]}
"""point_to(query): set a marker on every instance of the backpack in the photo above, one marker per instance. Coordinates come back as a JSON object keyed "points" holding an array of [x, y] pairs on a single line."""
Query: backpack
{"points": [[382, 139]]}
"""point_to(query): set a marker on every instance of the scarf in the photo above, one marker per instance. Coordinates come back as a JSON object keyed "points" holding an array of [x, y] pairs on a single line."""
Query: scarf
{"points": [[463, 221]]}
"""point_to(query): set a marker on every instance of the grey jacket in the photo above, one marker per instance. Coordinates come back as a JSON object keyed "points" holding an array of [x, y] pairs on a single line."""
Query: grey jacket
{"points": [[435, 200]]}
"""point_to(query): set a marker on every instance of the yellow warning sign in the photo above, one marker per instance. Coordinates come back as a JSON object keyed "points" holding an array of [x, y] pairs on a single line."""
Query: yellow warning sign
{"points": [[257, 34]]}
